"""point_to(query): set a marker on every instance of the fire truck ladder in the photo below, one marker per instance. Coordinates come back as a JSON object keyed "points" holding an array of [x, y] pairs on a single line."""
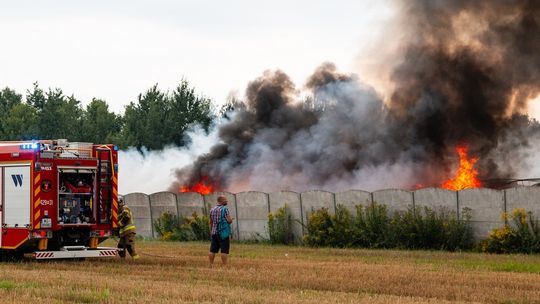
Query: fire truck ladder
{"points": [[104, 184]]}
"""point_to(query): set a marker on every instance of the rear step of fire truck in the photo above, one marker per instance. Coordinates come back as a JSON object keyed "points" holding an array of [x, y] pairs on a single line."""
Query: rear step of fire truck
{"points": [[76, 252]]}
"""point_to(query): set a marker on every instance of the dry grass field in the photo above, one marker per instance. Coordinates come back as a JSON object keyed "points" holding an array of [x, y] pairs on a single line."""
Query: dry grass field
{"points": [[179, 273]]}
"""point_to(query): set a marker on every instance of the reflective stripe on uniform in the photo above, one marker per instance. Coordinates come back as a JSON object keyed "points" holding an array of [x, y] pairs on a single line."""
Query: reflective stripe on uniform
{"points": [[127, 228]]}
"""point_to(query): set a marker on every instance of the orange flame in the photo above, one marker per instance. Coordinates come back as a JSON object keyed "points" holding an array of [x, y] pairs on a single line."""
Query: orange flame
{"points": [[466, 175], [204, 187]]}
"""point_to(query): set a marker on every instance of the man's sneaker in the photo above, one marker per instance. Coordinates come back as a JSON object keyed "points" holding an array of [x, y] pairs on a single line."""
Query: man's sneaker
{"points": [[136, 257]]}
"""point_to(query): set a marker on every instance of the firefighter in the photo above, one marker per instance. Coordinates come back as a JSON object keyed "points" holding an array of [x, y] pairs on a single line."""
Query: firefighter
{"points": [[127, 230]]}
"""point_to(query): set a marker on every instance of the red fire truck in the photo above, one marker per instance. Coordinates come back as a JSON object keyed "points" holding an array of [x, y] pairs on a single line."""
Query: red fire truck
{"points": [[57, 199]]}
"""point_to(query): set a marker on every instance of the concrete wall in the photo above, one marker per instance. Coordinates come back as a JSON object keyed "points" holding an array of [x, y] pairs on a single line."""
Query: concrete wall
{"points": [[292, 202], [139, 203], [351, 199], [485, 206], [436, 199], [253, 208], [189, 203], [527, 198], [394, 199], [314, 200], [250, 209]]}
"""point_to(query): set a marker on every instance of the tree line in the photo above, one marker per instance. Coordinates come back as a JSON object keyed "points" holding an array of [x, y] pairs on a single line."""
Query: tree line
{"points": [[156, 119]]}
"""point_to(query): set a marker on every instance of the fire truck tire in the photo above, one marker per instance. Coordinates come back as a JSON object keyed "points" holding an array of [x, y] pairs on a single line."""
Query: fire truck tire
{"points": [[10, 256]]}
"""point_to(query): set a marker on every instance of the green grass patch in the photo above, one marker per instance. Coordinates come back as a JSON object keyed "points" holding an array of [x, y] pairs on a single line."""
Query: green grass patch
{"points": [[4, 284], [87, 296], [497, 265], [517, 267]]}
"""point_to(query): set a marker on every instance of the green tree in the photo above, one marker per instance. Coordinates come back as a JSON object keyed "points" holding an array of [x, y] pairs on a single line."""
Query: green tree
{"points": [[60, 116], [145, 120], [8, 99], [155, 120], [21, 123], [159, 119], [36, 97], [99, 125], [186, 109]]}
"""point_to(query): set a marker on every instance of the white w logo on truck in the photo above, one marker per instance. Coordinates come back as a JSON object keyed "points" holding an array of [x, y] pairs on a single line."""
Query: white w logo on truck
{"points": [[17, 179]]}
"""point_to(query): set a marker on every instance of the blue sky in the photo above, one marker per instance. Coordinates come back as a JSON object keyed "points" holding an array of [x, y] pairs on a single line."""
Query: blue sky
{"points": [[115, 50]]}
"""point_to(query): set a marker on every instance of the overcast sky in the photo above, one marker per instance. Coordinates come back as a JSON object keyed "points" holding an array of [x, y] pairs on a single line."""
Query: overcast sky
{"points": [[115, 50]]}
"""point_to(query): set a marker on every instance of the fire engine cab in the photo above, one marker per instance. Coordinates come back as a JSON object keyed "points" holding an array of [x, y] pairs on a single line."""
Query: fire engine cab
{"points": [[57, 199]]}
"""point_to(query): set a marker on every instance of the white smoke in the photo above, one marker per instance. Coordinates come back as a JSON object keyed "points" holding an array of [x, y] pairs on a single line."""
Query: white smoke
{"points": [[153, 171]]}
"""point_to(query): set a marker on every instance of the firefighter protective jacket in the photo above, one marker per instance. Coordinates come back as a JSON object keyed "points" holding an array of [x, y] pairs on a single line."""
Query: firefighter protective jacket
{"points": [[125, 221]]}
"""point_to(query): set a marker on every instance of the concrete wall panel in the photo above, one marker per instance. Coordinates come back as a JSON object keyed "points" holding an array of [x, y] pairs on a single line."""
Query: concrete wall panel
{"points": [[436, 199], [394, 199], [139, 203], [253, 211], [527, 198], [160, 203], [486, 206], [292, 201], [211, 200], [315, 200], [350, 199], [189, 203]]}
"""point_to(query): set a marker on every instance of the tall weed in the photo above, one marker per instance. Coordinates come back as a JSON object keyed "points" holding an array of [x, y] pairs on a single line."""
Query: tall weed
{"points": [[373, 227], [170, 227], [280, 226]]}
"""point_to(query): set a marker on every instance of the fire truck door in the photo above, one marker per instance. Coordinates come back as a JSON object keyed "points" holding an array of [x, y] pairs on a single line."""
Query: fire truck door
{"points": [[16, 197]]}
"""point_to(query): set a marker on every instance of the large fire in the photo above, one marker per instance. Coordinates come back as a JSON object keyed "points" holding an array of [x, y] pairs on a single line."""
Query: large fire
{"points": [[466, 175], [204, 187]]}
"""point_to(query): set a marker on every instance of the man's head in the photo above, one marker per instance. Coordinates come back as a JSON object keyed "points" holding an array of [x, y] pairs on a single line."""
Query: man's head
{"points": [[222, 200]]}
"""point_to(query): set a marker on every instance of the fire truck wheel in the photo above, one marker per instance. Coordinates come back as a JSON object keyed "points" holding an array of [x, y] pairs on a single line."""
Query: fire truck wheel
{"points": [[10, 256]]}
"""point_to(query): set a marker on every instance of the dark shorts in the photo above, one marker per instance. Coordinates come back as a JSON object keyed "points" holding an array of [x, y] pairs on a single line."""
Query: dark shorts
{"points": [[217, 243]]}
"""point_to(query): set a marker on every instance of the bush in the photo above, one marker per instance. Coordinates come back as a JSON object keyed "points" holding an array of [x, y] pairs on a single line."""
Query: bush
{"points": [[280, 227], [319, 228], [324, 229], [170, 227], [343, 228], [166, 223], [372, 227], [520, 234], [199, 226], [425, 228], [459, 233]]}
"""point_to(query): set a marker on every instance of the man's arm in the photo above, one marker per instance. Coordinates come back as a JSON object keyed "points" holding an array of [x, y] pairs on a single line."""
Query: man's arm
{"points": [[228, 217], [210, 224]]}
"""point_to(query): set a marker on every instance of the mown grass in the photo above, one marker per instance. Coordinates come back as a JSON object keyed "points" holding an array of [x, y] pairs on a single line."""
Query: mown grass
{"points": [[179, 273]]}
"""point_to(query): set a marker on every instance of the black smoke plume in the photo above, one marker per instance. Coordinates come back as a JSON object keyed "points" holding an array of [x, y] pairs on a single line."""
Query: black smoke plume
{"points": [[467, 71]]}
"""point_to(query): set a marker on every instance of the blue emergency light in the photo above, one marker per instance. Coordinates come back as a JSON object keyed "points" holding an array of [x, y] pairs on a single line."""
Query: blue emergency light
{"points": [[30, 146]]}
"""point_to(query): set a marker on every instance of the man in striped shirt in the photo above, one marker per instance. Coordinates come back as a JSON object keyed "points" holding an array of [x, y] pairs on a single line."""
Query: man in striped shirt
{"points": [[219, 212]]}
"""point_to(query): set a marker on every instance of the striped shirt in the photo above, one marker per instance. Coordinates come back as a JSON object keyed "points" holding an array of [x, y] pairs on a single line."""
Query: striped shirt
{"points": [[215, 215]]}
